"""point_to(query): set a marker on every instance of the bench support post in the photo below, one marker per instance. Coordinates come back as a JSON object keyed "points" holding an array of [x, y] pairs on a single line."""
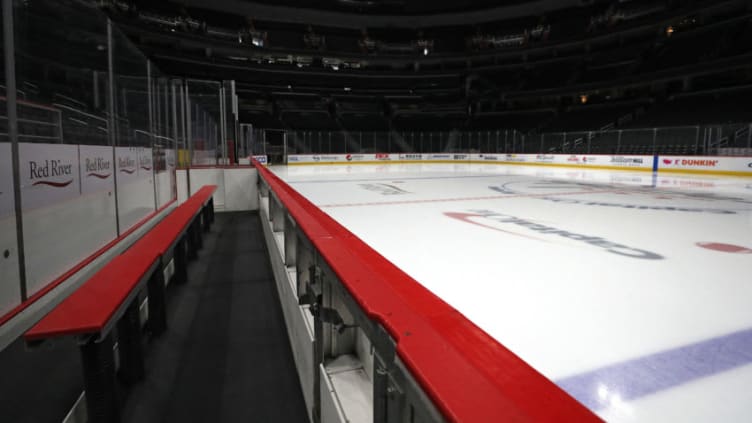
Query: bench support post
{"points": [[190, 240], [102, 403], [205, 219], [197, 233], [157, 302], [180, 259], [129, 345]]}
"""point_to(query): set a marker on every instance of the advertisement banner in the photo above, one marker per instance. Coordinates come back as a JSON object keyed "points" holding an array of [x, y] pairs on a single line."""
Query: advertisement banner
{"points": [[261, 159], [96, 169], [411, 157], [317, 158], [437, 157], [170, 159], [126, 164], [545, 158], [585, 160], [145, 163], [7, 203], [489, 158], [571, 159], [517, 158], [631, 161], [359, 157], [49, 174], [723, 164]]}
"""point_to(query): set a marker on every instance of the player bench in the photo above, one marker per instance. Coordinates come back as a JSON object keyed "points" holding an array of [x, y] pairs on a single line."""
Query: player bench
{"points": [[111, 299]]}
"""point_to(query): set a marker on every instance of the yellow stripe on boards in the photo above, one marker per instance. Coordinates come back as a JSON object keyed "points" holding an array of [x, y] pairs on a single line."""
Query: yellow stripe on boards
{"points": [[574, 166]]}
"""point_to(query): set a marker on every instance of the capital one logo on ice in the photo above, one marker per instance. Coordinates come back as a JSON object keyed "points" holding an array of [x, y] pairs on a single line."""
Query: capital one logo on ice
{"points": [[525, 228], [51, 172]]}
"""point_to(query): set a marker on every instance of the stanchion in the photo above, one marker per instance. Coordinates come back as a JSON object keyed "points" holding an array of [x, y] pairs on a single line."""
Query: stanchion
{"points": [[129, 345], [157, 302], [102, 402]]}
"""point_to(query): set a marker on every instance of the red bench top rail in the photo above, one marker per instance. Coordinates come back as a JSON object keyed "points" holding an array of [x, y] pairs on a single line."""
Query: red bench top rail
{"points": [[95, 305]]}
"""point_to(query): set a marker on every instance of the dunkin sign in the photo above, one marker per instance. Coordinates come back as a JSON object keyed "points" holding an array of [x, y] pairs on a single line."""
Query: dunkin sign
{"points": [[691, 162], [706, 163]]}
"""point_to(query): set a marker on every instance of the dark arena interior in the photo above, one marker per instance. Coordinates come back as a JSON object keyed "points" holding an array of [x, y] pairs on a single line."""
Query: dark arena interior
{"points": [[166, 255]]}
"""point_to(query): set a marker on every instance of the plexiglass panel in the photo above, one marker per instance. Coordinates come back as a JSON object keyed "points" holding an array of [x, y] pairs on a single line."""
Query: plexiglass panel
{"points": [[134, 153], [66, 168]]}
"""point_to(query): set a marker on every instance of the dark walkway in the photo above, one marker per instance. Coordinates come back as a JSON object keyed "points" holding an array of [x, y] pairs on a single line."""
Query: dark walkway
{"points": [[225, 356]]}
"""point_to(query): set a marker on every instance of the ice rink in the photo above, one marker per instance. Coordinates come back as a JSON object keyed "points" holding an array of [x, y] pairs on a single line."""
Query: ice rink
{"points": [[631, 291]]}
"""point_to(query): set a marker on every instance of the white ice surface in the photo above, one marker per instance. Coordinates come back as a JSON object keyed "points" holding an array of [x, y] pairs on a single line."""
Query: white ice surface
{"points": [[564, 305]]}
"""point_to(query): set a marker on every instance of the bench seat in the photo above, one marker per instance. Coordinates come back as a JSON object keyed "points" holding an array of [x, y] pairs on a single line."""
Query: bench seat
{"points": [[110, 298], [89, 309]]}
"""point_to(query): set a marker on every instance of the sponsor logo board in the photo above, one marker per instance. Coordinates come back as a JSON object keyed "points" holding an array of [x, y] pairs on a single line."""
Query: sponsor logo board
{"points": [[170, 158], [316, 158], [260, 158], [690, 162], [628, 161], [460, 157], [590, 159], [729, 164], [145, 162], [355, 157], [411, 156], [382, 156], [126, 164], [49, 174], [439, 157], [545, 158], [96, 168], [516, 158]]}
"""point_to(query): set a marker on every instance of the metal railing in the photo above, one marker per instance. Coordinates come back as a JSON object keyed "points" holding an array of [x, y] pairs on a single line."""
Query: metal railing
{"points": [[80, 127], [726, 139], [36, 122]]}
